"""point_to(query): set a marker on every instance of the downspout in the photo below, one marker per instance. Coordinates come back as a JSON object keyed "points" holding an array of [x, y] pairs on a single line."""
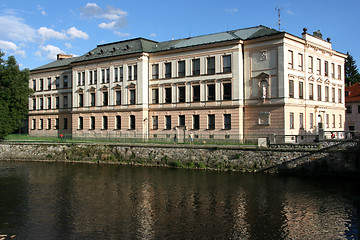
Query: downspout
{"points": [[243, 100]]}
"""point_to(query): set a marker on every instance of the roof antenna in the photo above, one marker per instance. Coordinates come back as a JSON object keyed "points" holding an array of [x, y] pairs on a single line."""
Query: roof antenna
{"points": [[279, 19]]}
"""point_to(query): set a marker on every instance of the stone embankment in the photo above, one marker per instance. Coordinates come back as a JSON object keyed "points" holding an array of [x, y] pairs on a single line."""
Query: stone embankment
{"points": [[332, 158]]}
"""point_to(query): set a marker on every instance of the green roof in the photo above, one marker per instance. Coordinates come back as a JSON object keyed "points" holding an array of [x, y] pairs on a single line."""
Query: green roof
{"points": [[139, 45]]}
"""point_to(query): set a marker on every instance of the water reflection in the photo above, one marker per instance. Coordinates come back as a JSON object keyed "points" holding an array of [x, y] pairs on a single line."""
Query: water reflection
{"points": [[75, 201]]}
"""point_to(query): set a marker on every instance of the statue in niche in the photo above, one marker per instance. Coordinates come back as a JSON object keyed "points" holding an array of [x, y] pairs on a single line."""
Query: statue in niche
{"points": [[264, 91]]}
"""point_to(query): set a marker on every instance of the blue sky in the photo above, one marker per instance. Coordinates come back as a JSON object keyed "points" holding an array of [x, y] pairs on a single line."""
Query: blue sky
{"points": [[35, 31]]}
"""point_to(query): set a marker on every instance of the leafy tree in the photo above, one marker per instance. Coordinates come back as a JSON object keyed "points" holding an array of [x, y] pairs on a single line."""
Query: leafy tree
{"points": [[14, 93], [351, 72]]}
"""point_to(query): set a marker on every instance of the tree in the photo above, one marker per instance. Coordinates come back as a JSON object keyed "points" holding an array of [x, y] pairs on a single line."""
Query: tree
{"points": [[351, 72], [14, 95]]}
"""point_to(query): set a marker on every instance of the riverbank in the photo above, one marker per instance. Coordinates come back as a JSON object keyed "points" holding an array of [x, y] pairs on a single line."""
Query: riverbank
{"points": [[331, 158]]}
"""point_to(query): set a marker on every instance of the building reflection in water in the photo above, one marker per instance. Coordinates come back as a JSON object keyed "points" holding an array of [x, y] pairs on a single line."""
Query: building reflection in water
{"points": [[73, 201]]}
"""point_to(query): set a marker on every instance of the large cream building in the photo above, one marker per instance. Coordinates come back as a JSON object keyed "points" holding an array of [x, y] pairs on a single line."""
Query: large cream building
{"points": [[239, 84]]}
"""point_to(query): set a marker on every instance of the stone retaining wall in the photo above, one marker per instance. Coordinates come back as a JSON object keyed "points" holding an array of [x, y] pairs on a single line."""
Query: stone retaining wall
{"points": [[340, 160]]}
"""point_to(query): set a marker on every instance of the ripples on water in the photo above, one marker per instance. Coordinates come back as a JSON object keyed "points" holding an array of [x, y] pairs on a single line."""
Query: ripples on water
{"points": [[78, 201]]}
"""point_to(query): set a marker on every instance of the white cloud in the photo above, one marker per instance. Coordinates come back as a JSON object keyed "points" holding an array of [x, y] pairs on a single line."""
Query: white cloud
{"points": [[47, 33], [11, 48], [152, 35], [13, 28], [289, 12], [68, 45], [76, 33], [50, 51], [121, 34], [231, 10], [41, 9], [116, 18]]}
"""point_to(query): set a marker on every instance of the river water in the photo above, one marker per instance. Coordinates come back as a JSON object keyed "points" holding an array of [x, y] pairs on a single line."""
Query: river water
{"points": [[81, 201]]}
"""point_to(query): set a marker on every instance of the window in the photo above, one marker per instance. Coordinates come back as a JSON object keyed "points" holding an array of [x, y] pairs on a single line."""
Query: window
{"points": [[211, 92], [95, 77], [116, 77], [168, 95], [121, 74], [155, 71], [57, 103], [196, 67], [132, 122], [181, 120], [135, 72], [227, 121], [333, 120], [211, 121], [339, 96], [348, 109], [211, 65], [65, 103], [155, 122], [327, 120], [168, 70], [196, 93], [291, 59], [91, 77], [326, 93], [301, 90], [49, 123], [301, 121], [291, 120], [132, 96], [102, 75], [181, 94], [333, 94], [56, 123], [181, 67], [332, 70], [118, 122], [65, 123], [34, 104], [167, 122], [57, 82], [318, 66], [264, 118], [319, 92], [41, 124], [49, 103], [65, 81], [34, 84], [311, 91], [311, 120], [196, 122], [129, 72], [41, 103], [326, 68], [291, 88], [49, 83], [81, 123], [118, 97], [81, 100], [107, 77], [340, 121], [339, 72], [104, 122], [311, 64], [155, 95], [82, 78], [227, 64], [300, 62], [92, 99], [33, 124], [41, 84], [92, 123], [358, 108], [227, 91], [105, 98]]}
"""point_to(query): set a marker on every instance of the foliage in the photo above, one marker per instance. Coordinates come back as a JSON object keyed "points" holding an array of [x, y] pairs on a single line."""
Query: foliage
{"points": [[351, 72], [14, 93]]}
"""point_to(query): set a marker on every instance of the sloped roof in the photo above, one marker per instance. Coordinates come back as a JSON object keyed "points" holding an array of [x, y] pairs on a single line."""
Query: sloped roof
{"points": [[58, 63], [139, 45], [354, 93]]}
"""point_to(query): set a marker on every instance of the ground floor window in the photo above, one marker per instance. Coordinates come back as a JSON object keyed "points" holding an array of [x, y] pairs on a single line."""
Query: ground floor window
{"points": [[56, 123], [49, 124], [105, 123], [65, 123], [181, 120], [291, 120], [155, 122], [118, 122], [92, 123], [227, 121], [211, 121], [196, 122], [167, 122], [132, 122], [81, 123]]}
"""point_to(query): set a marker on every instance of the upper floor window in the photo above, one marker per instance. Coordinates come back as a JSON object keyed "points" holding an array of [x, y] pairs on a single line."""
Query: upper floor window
{"points": [[319, 92], [311, 64], [105, 98], [95, 76], [290, 59], [57, 104], [116, 74], [182, 94], [301, 90], [227, 91], [326, 93], [318, 66], [168, 95], [121, 70], [81, 100], [91, 78], [227, 64], [332, 70], [196, 67], [300, 62], [340, 96], [181, 69], [196, 93], [210, 65], [129, 72], [65, 102], [333, 94], [34, 84], [326, 68], [49, 83], [311, 91], [65, 81], [118, 97], [41, 103], [291, 120], [41, 84], [339, 72], [135, 72], [155, 95], [211, 92], [155, 71], [57, 82], [92, 99], [34, 104], [49, 102], [168, 70], [132, 96], [291, 88]]}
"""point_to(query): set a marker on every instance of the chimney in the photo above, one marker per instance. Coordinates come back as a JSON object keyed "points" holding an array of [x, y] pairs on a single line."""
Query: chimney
{"points": [[61, 56]]}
